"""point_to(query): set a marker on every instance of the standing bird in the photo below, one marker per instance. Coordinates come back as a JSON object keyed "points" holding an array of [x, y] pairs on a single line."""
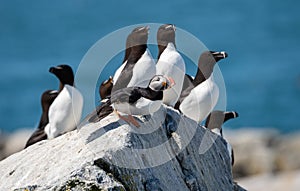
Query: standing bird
{"points": [[39, 134], [199, 98], [139, 100], [105, 88], [65, 111], [215, 121], [170, 63], [140, 66], [105, 92]]}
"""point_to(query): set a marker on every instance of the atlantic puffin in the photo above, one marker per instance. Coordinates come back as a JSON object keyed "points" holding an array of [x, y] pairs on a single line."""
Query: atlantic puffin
{"points": [[139, 100]]}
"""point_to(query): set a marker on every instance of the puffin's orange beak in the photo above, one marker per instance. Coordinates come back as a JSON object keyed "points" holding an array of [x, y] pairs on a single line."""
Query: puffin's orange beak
{"points": [[172, 82]]}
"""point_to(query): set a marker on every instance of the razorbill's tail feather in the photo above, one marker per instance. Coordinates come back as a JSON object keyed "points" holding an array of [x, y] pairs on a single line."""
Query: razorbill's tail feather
{"points": [[39, 134]]}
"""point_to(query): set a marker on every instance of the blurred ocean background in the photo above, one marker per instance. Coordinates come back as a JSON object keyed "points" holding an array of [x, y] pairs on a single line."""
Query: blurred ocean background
{"points": [[262, 38]]}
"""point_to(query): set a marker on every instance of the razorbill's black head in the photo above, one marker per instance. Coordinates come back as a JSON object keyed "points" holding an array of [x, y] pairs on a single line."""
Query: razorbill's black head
{"points": [[206, 63], [105, 88], [216, 119], [64, 73], [46, 100], [165, 35], [139, 36]]}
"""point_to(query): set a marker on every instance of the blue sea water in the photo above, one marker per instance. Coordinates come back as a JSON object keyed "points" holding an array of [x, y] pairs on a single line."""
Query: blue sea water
{"points": [[262, 38]]}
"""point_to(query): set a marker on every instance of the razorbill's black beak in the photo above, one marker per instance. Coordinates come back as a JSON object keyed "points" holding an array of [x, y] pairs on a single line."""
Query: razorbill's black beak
{"points": [[219, 55], [144, 29], [171, 26], [53, 69]]}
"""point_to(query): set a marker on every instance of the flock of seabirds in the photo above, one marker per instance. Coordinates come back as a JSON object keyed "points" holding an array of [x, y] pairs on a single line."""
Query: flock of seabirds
{"points": [[138, 88]]}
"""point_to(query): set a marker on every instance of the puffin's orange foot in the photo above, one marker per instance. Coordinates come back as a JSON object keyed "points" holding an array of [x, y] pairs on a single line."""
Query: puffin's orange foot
{"points": [[129, 119], [133, 121]]}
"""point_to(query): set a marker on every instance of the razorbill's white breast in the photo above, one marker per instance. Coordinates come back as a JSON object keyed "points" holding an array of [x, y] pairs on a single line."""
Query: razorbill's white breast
{"points": [[65, 111], [39, 134], [200, 97], [215, 121], [170, 62]]}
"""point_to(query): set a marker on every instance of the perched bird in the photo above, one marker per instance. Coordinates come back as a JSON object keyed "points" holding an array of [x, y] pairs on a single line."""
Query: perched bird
{"points": [[201, 94], [65, 111], [215, 121], [105, 88], [170, 63], [39, 134], [140, 65], [139, 100], [105, 92]]}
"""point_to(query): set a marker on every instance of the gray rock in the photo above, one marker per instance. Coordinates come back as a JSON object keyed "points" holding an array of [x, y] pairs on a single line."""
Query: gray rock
{"points": [[168, 152]]}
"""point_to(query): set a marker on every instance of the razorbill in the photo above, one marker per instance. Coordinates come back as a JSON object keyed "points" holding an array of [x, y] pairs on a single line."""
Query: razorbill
{"points": [[139, 100], [105, 88], [104, 92], [140, 66], [191, 82], [65, 111], [200, 97], [170, 62], [39, 134], [215, 121]]}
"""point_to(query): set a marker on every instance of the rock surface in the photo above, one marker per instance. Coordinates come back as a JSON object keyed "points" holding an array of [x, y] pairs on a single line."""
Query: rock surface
{"points": [[168, 152]]}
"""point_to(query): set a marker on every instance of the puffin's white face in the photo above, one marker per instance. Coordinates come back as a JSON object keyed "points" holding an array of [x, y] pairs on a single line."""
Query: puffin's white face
{"points": [[160, 83]]}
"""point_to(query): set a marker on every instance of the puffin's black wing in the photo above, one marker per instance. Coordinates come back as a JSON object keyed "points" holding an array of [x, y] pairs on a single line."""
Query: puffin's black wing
{"points": [[129, 95], [150, 94]]}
